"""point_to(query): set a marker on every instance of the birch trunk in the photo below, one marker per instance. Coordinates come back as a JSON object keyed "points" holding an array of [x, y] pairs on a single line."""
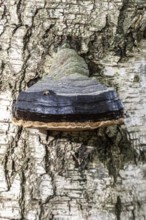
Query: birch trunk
{"points": [[96, 175]]}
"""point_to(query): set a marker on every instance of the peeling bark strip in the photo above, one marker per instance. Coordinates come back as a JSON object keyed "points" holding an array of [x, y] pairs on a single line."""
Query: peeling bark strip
{"points": [[68, 99]]}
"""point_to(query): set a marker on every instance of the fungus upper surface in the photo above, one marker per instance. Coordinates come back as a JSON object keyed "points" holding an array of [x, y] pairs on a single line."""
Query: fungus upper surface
{"points": [[68, 99]]}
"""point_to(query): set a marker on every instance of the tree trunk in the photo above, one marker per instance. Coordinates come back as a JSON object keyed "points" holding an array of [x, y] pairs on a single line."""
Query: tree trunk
{"points": [[94, 175]]}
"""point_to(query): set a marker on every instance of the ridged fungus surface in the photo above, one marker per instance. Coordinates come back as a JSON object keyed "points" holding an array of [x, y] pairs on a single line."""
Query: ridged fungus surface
{"points": [[68, 99]]}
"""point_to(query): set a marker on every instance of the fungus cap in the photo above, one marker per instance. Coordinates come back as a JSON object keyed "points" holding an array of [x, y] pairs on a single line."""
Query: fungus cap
{"points": [[68, 99]]}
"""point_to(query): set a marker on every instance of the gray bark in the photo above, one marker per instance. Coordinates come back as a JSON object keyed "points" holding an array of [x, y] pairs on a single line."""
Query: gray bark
{"points": [[96, 175]]}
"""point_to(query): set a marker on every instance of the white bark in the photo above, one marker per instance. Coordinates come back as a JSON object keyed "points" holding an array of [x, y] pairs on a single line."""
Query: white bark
{"points": [[96, 175]]}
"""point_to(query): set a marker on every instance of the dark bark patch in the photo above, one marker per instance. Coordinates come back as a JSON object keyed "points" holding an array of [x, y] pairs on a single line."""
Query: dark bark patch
{"points": [[118, 208]]}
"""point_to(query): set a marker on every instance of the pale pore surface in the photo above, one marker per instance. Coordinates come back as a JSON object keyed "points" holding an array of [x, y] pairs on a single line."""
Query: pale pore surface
{"points": [[67, 126]]}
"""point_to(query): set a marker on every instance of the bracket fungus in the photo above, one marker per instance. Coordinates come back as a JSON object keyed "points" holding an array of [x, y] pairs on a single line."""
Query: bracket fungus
{"points": [[68, 99]]}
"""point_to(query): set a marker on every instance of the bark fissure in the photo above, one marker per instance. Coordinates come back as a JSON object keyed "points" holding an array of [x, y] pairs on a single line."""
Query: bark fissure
{"points": [[9, 163], [120, 40], [19, 10], [118, 208], [22, 199]]}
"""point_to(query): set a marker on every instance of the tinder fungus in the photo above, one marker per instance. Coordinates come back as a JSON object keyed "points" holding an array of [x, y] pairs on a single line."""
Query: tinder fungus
{"points": [[68, 99]]}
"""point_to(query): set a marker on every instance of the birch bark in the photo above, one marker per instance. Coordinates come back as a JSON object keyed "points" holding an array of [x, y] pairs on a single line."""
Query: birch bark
{"points": [[96, 175]]}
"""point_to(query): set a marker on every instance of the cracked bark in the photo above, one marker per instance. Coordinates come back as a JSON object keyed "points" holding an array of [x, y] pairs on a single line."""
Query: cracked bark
{"points": [[99, 174]]}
